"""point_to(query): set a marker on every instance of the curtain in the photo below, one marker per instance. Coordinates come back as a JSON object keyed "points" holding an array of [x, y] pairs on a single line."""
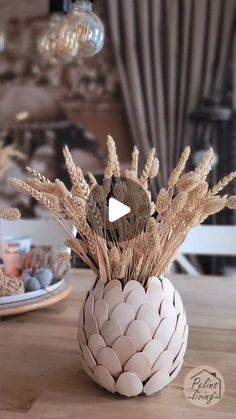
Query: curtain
{"points": [[170, 54]]}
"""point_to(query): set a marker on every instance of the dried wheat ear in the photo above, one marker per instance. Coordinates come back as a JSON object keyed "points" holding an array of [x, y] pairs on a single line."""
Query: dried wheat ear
{"points": [[186, 202], [10, 214], [6, 154]]}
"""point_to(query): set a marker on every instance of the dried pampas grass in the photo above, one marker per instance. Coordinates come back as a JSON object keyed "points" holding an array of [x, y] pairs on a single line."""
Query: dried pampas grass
{"points": [[133, 248]]}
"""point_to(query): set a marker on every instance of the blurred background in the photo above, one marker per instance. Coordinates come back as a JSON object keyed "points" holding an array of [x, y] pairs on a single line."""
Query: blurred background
{"points": [[166, 77]]}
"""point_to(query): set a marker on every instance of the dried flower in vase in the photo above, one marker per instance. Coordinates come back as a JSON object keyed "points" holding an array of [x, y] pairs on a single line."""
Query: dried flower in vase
{"points": [[133, 330]]}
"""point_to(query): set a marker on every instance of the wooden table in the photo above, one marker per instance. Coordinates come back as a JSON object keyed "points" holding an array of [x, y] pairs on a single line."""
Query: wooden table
{"points": [[40, 374]]}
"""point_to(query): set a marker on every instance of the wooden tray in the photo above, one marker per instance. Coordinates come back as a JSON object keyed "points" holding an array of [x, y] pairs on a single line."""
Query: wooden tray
{"points": [[30, 301]]}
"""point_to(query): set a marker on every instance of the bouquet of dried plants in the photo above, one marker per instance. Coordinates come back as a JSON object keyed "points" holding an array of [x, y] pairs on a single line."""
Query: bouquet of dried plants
{"points": [[113, 251], [6, 154]]}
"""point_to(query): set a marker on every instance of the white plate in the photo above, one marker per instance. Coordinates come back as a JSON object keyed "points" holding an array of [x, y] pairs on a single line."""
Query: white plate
{"points": [[44, 298], [31, 295]]}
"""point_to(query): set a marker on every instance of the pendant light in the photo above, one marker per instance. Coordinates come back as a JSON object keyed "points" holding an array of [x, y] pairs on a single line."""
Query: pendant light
{"points": [[83, 25], [78, 34], [48, 44]]}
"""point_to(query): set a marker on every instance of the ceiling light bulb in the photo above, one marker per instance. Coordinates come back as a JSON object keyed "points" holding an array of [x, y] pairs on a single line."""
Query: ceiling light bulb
{"points": [[50, 45], [68, 40], [82, 29]]}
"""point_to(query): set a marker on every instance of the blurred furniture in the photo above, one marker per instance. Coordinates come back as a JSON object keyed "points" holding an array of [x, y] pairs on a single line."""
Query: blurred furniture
{"points": [[214, 125], [207, 240], [41, 376]]}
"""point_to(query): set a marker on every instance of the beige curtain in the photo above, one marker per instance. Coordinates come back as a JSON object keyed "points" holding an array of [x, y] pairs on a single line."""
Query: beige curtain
{"points": [[170, 54]]}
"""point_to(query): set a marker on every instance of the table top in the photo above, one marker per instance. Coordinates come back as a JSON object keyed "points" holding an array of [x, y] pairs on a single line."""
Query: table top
{"points": [[41, 376]]}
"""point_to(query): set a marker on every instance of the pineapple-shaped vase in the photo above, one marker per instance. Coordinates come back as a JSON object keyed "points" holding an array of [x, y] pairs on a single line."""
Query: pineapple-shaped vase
{"points": [[133, 339]]}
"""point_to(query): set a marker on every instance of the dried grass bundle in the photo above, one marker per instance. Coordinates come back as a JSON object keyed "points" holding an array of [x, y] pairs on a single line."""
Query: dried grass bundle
{"points": [[133, 248]]}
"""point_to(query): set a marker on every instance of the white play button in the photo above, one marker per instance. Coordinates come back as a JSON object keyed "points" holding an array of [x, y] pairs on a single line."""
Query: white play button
{"points": [[116, 210]]}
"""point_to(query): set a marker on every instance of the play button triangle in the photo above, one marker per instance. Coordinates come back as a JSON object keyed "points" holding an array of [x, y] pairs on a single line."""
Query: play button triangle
{"points": [[116, 210]]}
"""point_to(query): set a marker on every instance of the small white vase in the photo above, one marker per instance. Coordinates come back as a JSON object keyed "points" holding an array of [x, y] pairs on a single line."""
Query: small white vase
{"points": [[132, 340]]}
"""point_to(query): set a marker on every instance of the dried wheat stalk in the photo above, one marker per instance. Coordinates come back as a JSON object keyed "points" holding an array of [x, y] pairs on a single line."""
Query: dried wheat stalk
{"points": [[223, 183], [10, 214], [131, 248], [113, 167], [134, 165], [148, 168], [179, 168], [204, 166], [92, 180], [6, 154], [36, 174], [80, 186], [63, 257]]}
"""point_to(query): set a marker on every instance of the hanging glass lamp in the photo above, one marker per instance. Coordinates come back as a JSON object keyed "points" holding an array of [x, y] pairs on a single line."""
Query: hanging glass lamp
{"points": [[49, 46], [83, 29], [78, 34]]}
